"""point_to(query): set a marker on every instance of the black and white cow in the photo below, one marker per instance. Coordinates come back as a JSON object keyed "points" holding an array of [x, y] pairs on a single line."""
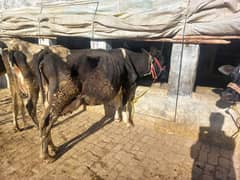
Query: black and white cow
{"points": [[91, 77], [122, 68]]}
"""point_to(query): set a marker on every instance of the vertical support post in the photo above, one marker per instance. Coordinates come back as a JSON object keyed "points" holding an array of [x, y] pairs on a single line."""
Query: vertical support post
{"points": [[190, 56], [46, 42], [100, 44]]}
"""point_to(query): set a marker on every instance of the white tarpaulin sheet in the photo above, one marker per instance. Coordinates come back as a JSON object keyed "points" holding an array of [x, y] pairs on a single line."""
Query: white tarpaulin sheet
{"points": [[144, 19]]}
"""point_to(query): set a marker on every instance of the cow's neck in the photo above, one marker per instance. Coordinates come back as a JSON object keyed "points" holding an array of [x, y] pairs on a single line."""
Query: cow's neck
{"points": [[141, 64]]}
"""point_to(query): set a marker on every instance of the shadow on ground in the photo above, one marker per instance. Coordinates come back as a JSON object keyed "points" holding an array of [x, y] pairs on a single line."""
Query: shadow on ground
{"points": [[108, 118], [213, 152]]}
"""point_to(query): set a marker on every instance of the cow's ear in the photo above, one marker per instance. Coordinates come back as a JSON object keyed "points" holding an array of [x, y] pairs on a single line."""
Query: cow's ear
{"points": [[93, 61], [144, 51], [226, 69]]}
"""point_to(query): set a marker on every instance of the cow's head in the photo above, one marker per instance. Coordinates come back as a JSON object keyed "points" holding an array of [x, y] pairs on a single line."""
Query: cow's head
{"points": [[232, 93], [156, 61]]}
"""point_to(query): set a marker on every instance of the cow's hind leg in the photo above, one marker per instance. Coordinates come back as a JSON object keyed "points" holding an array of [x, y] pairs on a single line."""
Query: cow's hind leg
{"points": [[52, 148], [46, 140], [31, 105], [32, 111]]}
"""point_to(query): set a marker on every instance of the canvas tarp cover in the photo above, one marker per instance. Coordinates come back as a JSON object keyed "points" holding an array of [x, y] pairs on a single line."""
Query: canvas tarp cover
{"points": [[143, 19]]}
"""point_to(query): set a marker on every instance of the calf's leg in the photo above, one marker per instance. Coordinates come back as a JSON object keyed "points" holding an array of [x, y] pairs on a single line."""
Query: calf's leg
{"points": [[15, 111]]}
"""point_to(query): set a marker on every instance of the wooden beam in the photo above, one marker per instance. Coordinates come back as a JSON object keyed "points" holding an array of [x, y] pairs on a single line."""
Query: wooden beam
{"points": [[207, 37], [191, 41]]}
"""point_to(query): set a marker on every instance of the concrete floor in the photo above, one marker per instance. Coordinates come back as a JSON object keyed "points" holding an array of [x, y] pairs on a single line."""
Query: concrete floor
{"points": [[97, 148]]}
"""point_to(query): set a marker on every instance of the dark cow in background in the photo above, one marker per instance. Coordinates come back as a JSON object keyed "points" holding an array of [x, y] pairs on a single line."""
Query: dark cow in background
{"points": [[2, 67], [91, 77], [232, 93]]}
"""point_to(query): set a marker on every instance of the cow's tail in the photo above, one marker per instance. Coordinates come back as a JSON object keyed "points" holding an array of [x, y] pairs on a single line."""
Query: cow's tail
{"points": [[37, 68]]}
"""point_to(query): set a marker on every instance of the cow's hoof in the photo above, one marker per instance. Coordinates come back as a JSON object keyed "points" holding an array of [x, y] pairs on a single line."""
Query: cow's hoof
{"points": [[16, 129], [49, 160], [129, 125], [117, 119], [53, 150]]}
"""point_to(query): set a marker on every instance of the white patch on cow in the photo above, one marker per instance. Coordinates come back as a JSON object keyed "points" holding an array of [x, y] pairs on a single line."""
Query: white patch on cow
{"points": [[125, 117], [1, 51], [118, 105], [116, 116], [123, 53]]}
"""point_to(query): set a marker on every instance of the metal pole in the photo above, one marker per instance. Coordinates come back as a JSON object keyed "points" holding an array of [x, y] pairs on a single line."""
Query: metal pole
{"points": [[180, 65]]}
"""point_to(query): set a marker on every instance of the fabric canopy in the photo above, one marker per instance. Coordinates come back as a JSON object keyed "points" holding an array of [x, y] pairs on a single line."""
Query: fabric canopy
{"points": [[113, 19]]}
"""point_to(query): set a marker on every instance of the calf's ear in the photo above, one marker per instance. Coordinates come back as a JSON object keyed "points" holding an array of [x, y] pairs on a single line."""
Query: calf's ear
{"points": [[93, 61], [226, 69]]}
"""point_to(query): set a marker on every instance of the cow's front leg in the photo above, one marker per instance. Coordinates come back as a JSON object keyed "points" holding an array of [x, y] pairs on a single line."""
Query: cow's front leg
{"points": [[129, 106], [125, 116], [118, 106]]}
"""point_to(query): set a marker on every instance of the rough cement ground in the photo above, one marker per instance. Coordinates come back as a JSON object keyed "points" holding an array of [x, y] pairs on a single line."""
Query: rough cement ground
{"points": [[94, 148]]}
